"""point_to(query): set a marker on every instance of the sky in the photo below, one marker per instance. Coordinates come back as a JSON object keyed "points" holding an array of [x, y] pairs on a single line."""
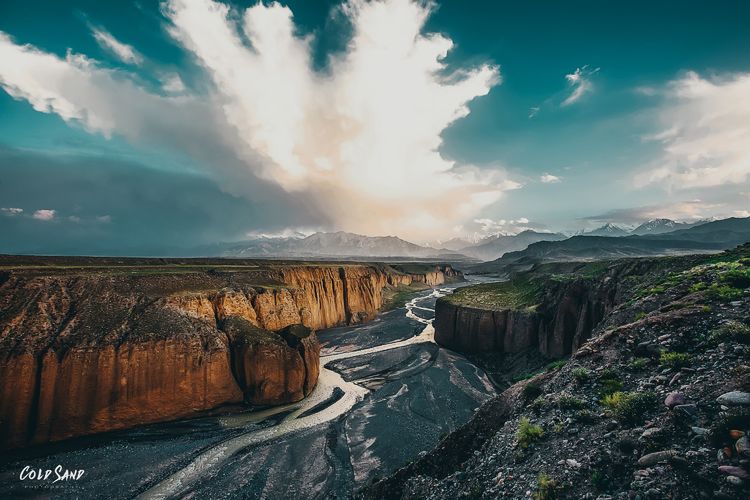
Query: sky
{"points": [[150, 127]]}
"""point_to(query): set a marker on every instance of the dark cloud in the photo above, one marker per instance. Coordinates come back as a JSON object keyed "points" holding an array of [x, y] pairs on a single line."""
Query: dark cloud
{"points": [[105, 206]]}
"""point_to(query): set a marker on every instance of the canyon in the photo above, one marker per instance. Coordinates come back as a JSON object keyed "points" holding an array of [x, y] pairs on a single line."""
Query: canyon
{"points": [[553, 318], [97, 345]]}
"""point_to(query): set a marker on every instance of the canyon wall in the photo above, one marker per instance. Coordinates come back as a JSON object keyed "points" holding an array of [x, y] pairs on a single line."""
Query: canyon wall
{"points": [[561, 321], [87, 352]]}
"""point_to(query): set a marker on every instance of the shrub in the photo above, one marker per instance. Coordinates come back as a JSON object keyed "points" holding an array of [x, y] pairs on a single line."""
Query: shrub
{"points": [[630, 407], [568, 402], [581, 374], [610, 382], [737, 278], [538, 405], [639, 363], [731, 330], [674, 359], [725, 293], [610, 385], [640, 315], [556, 365], [546, 488], [531, 390], [697, 287], [528, 433]]}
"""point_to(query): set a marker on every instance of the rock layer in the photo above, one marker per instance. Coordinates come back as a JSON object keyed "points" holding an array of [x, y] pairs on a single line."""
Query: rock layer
{"points": [[89, 352]]}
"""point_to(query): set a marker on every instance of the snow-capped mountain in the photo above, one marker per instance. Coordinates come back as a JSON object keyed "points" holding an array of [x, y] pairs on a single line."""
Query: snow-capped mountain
{"points": [[608, 229]]}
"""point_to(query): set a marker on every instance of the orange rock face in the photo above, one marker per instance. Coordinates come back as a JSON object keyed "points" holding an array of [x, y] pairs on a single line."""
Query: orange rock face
{"points": [[87, 353]]}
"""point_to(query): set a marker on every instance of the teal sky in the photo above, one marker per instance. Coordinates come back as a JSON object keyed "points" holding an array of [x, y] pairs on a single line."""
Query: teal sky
{"points": [[659, 127]]}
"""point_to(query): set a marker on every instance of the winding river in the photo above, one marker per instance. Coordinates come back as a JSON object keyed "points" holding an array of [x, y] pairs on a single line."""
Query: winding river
{"points": [[386, 393]]}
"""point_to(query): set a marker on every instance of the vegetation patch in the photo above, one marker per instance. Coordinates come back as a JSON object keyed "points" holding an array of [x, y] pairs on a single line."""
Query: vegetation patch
{"points": [[518, 293], [528, 433], [733, 330], [568, 402], [546, 488], [556, 365], [581, 374], [674, 359], [630, 407]]}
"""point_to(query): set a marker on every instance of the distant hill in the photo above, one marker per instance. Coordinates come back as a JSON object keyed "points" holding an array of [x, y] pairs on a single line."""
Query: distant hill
{"points": [[496, 246], [338, 244], [704, 238]]}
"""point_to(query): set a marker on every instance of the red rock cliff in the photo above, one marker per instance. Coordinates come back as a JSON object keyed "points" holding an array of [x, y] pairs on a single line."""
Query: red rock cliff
{"points": [[82, 353]]}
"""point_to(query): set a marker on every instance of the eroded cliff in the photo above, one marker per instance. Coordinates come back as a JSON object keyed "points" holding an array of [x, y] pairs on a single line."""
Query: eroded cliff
{"points": [[90, 349], [552, 313]]}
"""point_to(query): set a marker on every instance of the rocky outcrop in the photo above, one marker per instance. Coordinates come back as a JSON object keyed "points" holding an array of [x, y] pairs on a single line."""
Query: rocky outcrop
{"points": [[87, 352], [562, 320]]}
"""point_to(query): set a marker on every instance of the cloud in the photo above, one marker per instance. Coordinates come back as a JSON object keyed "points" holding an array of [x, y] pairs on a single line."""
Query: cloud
{"points": [[357, 143], [172, 83], [580, 83], [104, 218], [122, 51], [548, 178], [11, 211], [704, 133], [481, 228], [44, 214], [533, 111]]}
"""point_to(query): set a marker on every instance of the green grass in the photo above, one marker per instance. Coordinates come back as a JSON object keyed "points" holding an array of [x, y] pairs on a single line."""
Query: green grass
{"points": [[630, 407], [609, 381], [568, 402], [674, 359], [731, 331], [515, 294], [639, 363], [546, 488], [556, 365], [528, 433], [581, 374]]}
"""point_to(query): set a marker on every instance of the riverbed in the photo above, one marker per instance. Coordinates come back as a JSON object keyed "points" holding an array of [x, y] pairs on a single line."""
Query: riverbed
{"points": [[386, 393]]}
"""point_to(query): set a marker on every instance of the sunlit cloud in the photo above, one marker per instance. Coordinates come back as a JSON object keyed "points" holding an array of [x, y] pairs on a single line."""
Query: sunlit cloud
{"points": [[580, 84], [11, 211], [358, 142], [704, 133], [122, 51], [44, 214]]}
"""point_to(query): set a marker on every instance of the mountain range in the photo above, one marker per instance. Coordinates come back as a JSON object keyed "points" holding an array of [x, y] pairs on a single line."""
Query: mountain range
{"points": [[330, 245], [607, 241], [704, 238]]}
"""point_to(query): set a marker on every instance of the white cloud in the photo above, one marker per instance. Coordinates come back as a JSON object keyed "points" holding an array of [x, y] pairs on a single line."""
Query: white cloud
{"points": [[548, 178], [742, 213], [122, 51], [580, 83], [11, 211], [481, 228], [104, 218], [533, 111], [357, 143], [44, 214], [172, 83], [705, 133]]}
